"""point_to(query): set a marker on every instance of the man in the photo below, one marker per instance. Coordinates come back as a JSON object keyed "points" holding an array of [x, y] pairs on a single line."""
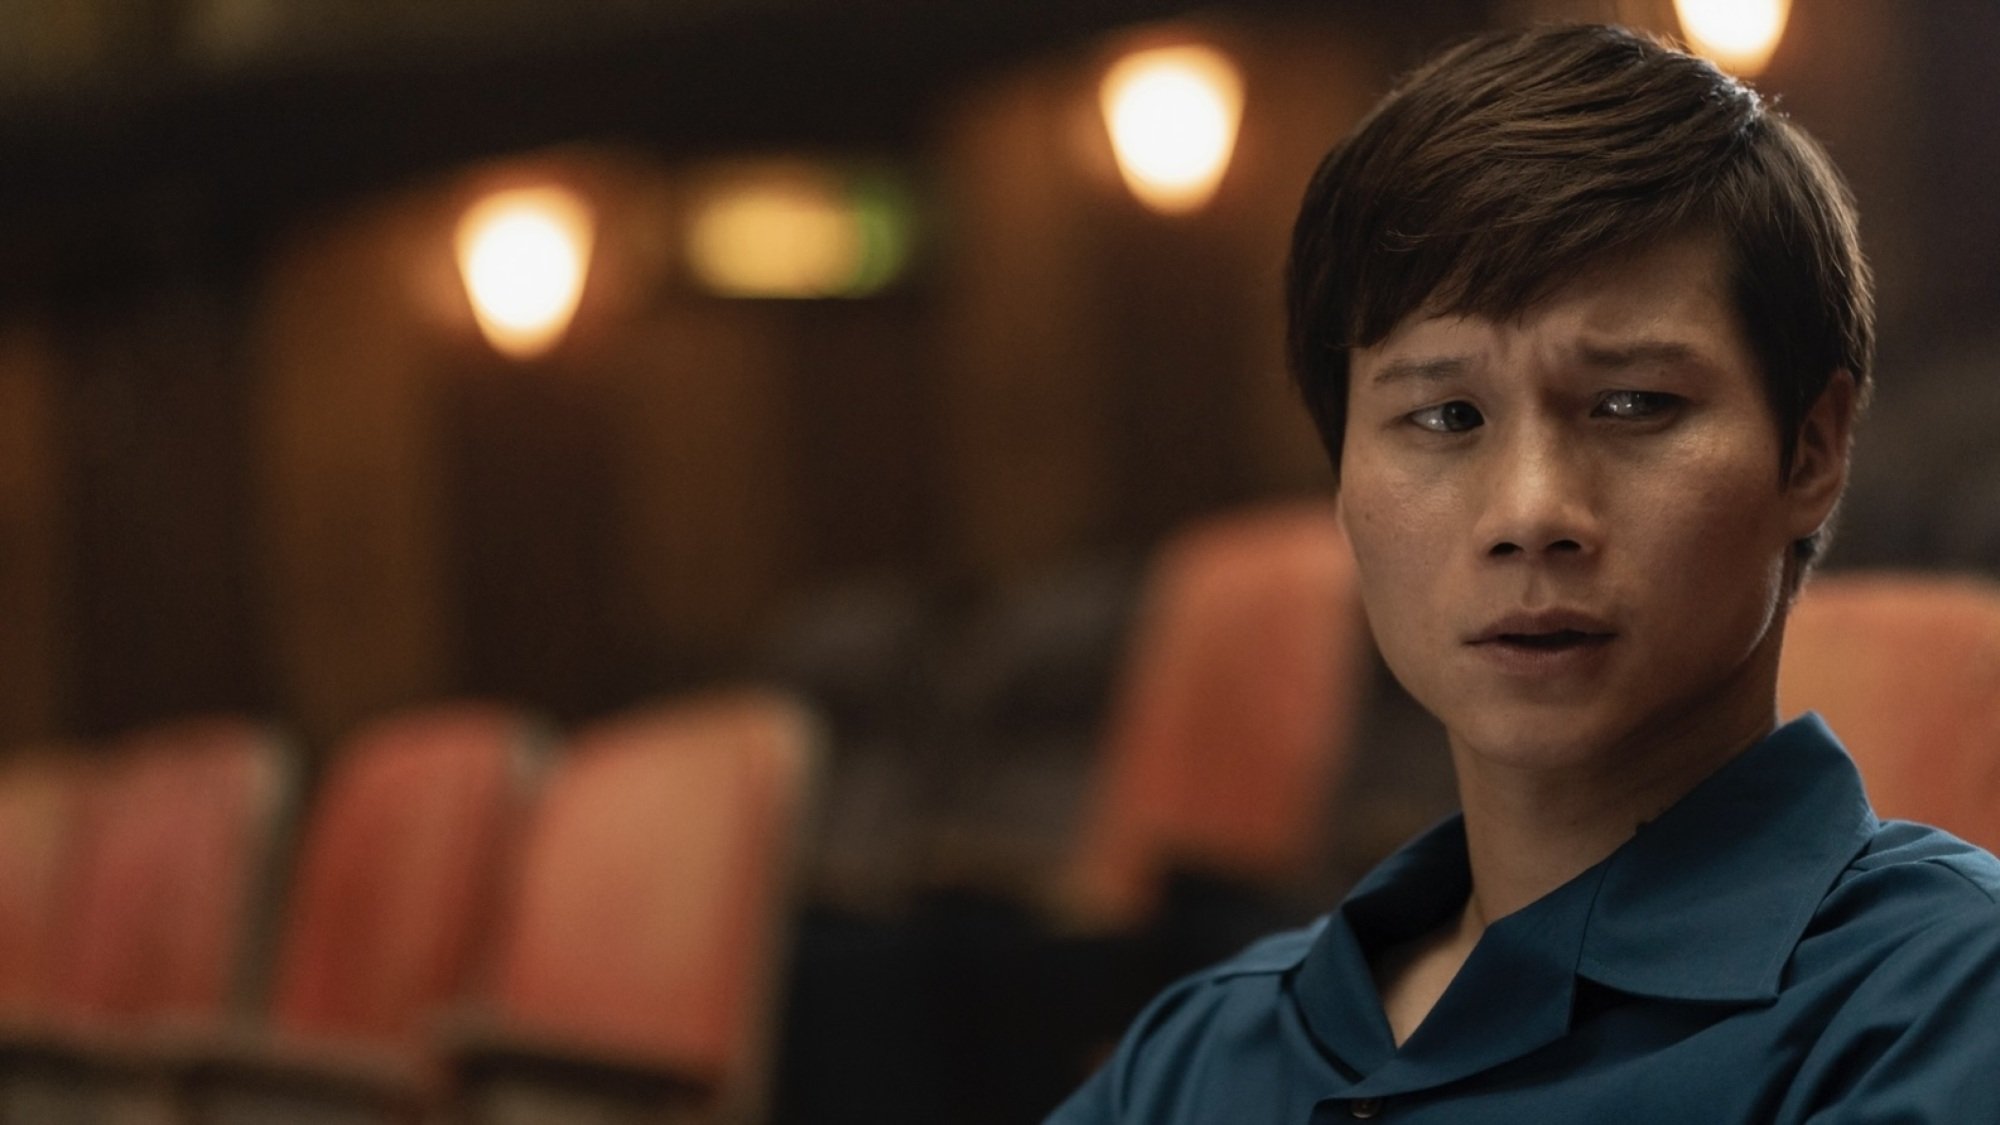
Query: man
{"points": [[1585, 328]]}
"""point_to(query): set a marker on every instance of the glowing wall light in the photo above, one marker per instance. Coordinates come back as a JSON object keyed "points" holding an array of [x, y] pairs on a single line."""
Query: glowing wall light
{"points": [[1172, 113], [523, 254], [1738, 34], [796, 229]]}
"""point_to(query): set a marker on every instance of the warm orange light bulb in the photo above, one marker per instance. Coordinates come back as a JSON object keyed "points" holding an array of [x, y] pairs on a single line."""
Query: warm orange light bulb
{"points": [[524, 254], [1740, 35], [1172, 113]]}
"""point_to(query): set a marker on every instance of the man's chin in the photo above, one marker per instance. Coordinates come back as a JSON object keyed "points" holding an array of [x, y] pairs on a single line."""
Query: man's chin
{"points": [[1537, 740]]}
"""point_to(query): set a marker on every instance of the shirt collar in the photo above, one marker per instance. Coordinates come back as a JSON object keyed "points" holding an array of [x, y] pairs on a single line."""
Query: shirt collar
{"points": [[1703, 904], [1707, 902]]}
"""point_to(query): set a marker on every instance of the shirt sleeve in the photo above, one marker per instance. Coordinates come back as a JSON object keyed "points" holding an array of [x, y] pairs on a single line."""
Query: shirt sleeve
{"points": [[1107, 1096], [1174, 1046], [1918, 1043], [1091, 1104]]}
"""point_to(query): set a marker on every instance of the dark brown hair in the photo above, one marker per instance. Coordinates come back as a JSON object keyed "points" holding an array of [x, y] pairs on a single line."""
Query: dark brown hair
{"points": [[1506, 165]]}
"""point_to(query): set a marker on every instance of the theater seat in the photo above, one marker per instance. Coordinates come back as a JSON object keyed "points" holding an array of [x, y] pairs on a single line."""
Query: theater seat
{"points": [[39, 790], [165, 913], [639, 964], [1235, 715], [175, 875], [393, 895], [1906, 669]]}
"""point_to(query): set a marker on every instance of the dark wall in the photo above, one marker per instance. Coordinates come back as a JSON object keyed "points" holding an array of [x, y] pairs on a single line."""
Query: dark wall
{"points": [[257, 458]]}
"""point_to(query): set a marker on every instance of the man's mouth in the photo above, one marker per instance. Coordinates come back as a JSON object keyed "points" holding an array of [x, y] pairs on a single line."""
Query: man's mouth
{"points": [[1551, 641], [1553, 629]]}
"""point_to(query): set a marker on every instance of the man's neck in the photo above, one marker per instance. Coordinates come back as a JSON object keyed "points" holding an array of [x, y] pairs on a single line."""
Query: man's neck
{"points": [[1529, 832]]}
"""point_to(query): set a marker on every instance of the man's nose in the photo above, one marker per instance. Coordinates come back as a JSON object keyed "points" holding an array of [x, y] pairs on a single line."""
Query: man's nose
{"points": [[1540, 499]]}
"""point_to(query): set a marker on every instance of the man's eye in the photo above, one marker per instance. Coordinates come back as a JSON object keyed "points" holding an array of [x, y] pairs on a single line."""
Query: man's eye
{"points": [[1448, 418], [1636, 404]]}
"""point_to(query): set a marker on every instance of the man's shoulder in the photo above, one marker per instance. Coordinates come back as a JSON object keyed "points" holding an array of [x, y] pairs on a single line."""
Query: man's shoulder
{"points": [[1920, 863], [1257, 967], [1207, 1036], [1909, 879], [1275, 953]]}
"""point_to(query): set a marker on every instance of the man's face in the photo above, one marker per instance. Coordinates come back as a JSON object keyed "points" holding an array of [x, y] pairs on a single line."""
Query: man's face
{"points": [[1571, 526]]}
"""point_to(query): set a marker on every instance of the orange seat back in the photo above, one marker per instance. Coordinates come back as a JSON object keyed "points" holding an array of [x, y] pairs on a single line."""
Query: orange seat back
{"points": [[1906, 670], [1235, 713], [173, 873], [399, 869], [39, 789], [653, 898]]}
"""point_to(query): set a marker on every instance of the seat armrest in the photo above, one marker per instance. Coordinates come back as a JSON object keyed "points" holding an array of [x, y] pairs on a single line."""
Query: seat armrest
{"points": [[106, 1051], [251, 1068], [487, 1061]]}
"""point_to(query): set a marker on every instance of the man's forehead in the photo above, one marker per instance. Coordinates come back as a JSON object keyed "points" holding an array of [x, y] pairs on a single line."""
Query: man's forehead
{"points": [[1665, 303], [1599, 355]]}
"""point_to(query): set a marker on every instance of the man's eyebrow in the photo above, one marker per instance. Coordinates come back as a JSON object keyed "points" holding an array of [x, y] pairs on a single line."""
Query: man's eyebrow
{"points": [[1609, 356], [1635, 353], [1419, 368]]}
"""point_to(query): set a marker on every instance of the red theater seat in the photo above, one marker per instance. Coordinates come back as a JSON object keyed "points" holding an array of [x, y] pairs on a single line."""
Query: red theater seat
{"points": [[393, 895], [638, 972], [39, 789], [1906, 670], [1235, 716], [166, 900]]}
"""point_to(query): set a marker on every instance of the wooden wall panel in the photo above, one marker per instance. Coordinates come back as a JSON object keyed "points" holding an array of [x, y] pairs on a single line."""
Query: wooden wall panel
{"points": [[1306, 87], [350, 518], [709, 532], [161, 612], [1026, 414], [32, 655], [865, 468], [1110, 373], [533, 595]]}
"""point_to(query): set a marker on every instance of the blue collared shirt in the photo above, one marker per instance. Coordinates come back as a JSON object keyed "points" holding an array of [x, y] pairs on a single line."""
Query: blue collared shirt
{"points": [[1765, 951]]}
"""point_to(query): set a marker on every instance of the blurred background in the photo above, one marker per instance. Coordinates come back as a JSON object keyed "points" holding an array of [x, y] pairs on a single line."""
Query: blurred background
{"points": [[853, 357]]}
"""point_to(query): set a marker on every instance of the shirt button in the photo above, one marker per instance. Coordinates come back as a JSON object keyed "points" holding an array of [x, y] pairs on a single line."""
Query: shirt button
{"points": [[1365, 1107]]}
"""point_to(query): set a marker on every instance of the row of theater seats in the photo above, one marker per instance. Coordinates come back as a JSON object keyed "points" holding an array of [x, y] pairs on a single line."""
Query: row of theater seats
{"points": [[638, 906], [1236, 714], [986, 992], [1233, 721], [469, 917], [1227, 746]]}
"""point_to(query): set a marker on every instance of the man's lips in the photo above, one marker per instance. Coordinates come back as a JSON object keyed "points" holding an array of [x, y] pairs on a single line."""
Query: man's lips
{"points": [[1565, 640], [1545, 629], [1545, 643]]}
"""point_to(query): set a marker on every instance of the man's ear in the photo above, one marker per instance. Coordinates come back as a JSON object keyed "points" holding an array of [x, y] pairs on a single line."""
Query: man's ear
{"points": [[1819, 461]]}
